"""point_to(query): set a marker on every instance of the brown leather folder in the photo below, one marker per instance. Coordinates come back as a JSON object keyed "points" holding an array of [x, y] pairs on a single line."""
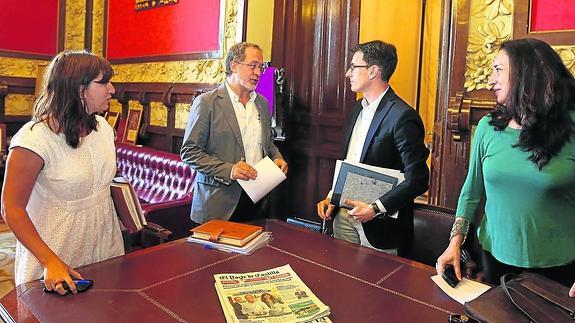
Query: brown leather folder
{"points": [[232, 233]]}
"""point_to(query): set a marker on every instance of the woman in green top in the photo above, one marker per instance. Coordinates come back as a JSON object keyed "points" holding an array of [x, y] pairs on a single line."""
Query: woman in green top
{"points": [[523, 163]]}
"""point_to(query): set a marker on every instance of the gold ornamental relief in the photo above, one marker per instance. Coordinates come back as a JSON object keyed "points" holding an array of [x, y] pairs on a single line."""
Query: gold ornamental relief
{"points": [[19, 105], [232, 22], [115, 106], [19, 67], [197, 71], [158, 114], [203, 71], [567, 54], [182, 111], [490, 23], [135, 105], [98, 27], [75, 25]]}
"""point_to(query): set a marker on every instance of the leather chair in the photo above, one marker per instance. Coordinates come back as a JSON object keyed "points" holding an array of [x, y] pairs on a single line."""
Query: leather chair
{"points": [[163, 183], [431, 227]]}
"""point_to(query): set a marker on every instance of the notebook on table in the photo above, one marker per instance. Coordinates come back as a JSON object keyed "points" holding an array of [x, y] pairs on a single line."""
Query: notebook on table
{"points": [[221, 231]]}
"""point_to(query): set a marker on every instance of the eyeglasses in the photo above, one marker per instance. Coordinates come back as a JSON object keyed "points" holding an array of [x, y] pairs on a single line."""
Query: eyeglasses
{"points": [[252, 66], [352, 66]]}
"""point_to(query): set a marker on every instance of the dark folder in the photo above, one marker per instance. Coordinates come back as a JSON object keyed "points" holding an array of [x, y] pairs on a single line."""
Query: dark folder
{"points": [[357, 183]]}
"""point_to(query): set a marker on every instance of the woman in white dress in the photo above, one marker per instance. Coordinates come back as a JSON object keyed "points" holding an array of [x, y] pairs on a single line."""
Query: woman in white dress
{"points": [[56, 193]]}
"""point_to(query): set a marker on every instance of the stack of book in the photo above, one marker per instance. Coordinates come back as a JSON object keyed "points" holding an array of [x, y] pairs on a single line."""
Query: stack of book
{"points": [[273, 295], [230, 236]]}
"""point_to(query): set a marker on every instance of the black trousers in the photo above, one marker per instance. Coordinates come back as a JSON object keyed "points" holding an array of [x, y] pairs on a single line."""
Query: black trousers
{"points": [[246, 210], [494, 269]]}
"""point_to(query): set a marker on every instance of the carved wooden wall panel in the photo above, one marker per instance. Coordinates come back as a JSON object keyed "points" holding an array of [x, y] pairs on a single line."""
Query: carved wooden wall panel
{"points": [[169, 95], [311, 41]]}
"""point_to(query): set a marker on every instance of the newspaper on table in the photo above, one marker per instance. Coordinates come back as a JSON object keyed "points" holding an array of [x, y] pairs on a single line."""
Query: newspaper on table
{"points": [[274, 295]]}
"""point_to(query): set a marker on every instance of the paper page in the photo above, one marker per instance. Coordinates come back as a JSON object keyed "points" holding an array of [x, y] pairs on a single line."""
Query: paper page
{"points": [[466, 291], [269, 176], [382, 170]]}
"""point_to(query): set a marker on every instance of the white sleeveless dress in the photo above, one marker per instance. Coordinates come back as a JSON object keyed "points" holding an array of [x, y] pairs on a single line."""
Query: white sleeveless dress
{"points": [[70, 204]]}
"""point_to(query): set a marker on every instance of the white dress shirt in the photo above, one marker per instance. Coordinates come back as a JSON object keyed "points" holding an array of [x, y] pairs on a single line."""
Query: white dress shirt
{"points": [[359, 133], [361, 127], [250, 126]]}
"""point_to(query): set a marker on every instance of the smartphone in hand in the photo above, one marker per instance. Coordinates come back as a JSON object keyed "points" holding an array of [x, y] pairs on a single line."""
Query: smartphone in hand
{"points": [[449, 276], [82, 285]]}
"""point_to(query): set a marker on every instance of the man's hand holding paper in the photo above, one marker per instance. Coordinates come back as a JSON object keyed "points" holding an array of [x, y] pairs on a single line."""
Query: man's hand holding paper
{"points": [[243, 171], [269, 175], [282, 164]]}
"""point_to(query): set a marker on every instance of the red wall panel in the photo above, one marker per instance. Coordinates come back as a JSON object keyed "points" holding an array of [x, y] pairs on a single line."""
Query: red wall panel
{"points": [[549, 15], [190, 26], [29, 26]]}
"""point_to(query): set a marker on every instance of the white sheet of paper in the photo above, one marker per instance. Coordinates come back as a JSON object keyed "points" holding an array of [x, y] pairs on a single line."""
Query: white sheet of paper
{"points": [[467, 290], [269, 176], [386, 171]]}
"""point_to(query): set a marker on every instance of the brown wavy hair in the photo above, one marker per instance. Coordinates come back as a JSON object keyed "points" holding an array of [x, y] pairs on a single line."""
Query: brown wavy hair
{"points": [[61, 104], [541, 97]]}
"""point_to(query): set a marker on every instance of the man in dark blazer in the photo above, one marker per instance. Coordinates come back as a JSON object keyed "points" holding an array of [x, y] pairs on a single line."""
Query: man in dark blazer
{"points": [[228, 131], [384, 131]]}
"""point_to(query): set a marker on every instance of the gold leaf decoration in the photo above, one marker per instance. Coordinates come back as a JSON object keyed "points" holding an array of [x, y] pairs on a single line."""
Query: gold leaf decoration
{"points": [[19, 67], [19, 105], [135, 105], [182, 111], [75, 25], [201, 71], [98, 27], [158, 114], [490, 24], [115, 106], [567, 54]]}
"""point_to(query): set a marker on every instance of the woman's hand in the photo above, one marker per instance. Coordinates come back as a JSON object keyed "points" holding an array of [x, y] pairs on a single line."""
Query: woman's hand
{"points": [[451, 256], [572, 291], [56, 272]]}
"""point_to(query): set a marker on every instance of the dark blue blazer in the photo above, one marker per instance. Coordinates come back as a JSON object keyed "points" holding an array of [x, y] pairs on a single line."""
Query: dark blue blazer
{"points": [[394, 140]]}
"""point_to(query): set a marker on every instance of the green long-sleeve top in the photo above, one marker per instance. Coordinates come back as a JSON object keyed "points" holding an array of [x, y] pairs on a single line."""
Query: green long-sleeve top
{"points": [[529, 218]]}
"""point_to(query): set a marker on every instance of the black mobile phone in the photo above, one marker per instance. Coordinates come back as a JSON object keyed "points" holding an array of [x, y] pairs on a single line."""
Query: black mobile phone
{"points": [[449, 276], [82, 285]]}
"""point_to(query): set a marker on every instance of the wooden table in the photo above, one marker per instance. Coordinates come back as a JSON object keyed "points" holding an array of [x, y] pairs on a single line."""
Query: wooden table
{"points": [[174, 282]]}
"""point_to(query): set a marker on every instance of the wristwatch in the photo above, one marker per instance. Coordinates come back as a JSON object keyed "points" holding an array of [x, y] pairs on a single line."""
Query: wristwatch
{"points": [[378, 213]]}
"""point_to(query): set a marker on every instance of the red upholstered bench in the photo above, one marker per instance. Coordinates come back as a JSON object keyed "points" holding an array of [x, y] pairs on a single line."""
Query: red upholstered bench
{"points": [[163, 184]]}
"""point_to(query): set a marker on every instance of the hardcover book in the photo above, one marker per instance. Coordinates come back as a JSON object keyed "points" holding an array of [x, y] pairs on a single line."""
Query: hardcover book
{"points": [[232, 233], [127, 205]]}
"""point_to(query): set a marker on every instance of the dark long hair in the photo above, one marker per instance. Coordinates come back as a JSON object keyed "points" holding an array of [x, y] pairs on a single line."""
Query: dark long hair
{"points": [[540, 98], [61, 98]]}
